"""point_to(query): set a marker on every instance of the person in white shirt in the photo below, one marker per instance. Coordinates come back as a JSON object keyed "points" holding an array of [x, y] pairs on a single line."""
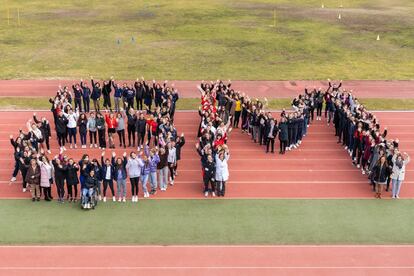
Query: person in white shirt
{"points": [[172, 160], [72, 124]]}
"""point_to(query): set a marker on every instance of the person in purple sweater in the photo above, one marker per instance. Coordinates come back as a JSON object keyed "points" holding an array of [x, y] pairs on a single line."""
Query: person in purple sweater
{"points": [[145, 171], [153, 160]]}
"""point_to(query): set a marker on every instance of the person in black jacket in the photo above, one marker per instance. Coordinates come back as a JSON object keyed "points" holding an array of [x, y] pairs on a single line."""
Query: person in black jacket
{"points": [[91, 183], [61, 128], [179, 143], [381, 173], [140, 127], [271, 131], [83, 130], [60, 175], [283, 135], [72, 179], [108, 174], [96, 94], [132, 119], [139, 93], [106, 93], [86, 96], [209, 173]]}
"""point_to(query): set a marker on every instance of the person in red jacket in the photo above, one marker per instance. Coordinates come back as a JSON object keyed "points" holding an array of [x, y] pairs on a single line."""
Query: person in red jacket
{"points": [[111, 122], [152, 129]]}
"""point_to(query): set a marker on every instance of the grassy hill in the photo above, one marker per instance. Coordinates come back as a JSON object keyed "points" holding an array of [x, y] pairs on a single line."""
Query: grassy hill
{"points": [[207, 39]]}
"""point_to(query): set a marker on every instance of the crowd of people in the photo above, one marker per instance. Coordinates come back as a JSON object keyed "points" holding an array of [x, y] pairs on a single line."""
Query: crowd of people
{"points": [[153, 139], [359, 131], [157, 146]]}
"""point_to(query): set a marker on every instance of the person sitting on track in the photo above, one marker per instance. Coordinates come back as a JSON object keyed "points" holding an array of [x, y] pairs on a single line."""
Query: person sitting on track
{"points": [[91, 184]]}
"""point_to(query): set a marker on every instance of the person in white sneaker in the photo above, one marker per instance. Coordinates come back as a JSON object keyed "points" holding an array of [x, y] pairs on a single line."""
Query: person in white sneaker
{"points": [[209, 174], [134, 166], [172, 160], [71, 126], [222, 169], [145, 175], [398, 172], [120, 174], [83, 129], [91, 128], [108, 174]]}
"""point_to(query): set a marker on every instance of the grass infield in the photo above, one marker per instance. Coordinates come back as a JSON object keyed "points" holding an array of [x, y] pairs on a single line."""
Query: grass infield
{"points": [[183, 39], [41, 103], [168, 222]]}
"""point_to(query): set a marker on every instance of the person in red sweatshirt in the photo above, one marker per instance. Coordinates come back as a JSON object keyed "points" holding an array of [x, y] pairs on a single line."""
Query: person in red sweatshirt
{"points": [[111, 122]]}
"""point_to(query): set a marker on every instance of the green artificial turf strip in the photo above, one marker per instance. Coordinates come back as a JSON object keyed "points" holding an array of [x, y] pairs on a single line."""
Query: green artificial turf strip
{"points": [[187, 40], [41, 103], [167, 222]]}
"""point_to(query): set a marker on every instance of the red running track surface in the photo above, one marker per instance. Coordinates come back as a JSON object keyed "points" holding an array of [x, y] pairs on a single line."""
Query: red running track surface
{"points": [[207, 260], [320, 168], [269, 89]]}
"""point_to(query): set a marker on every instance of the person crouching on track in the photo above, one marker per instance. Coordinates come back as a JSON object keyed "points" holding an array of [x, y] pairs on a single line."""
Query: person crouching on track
{"points": [[91, 182], [222, 170]]}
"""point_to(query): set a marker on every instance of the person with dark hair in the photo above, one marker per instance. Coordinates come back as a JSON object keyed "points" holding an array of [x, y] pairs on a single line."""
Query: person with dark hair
{"points": [[271, 131], [380, 175], [83, 129], [60, 170], [106, 93], [33, 179], [86, 96], [100, 126], [46, 176], [222, 170], [108, 174], [72, 179], [91, 127], [134, 166], [96, 94], [132, 119], [120, 175], [398, 172]]}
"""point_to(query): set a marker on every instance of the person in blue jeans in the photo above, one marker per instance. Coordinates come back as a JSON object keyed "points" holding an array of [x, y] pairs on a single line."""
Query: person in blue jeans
{"points": [[91, 182], [153, 160], [120, 175], [398, 171], [145, 172]]}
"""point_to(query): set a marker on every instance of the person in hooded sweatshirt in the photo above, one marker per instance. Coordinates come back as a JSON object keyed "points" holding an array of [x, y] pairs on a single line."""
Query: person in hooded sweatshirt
{"points": [[134, 167]]}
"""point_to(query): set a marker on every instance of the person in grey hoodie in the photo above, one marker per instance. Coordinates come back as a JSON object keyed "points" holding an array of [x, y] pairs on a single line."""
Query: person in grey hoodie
{"points": [[91, 127], [120, 128], [153, 160], [134, 166]]}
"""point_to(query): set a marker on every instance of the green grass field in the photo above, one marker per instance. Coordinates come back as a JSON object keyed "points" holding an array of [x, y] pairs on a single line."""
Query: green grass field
{"points": [[207, 39], [41, 103], [166, 222]]}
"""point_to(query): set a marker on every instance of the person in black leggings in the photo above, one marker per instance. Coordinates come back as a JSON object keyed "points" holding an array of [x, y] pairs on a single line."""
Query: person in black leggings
{"points": [[60, 175], [72, 179], [283, 135]]}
